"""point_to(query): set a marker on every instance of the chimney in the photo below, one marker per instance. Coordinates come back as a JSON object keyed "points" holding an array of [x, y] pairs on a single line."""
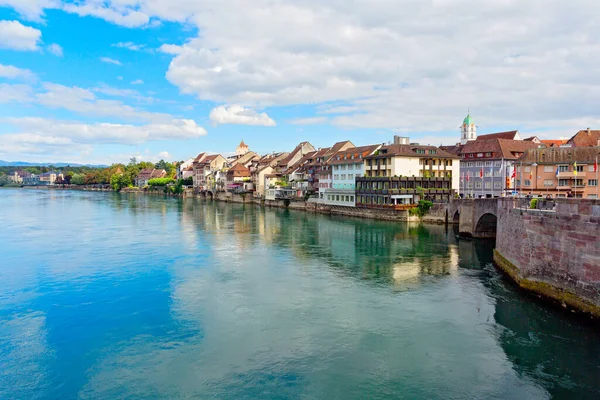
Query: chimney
{"points": [[589, 131]]}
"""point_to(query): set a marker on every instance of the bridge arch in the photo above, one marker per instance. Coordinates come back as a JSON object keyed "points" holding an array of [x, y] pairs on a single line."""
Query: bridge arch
{"points": [[209, 195], [456, 217], [486, 226]]}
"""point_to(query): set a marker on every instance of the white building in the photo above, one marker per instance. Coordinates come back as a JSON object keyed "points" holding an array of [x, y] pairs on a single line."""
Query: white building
{"points": [[468, 130], [346, 166]]}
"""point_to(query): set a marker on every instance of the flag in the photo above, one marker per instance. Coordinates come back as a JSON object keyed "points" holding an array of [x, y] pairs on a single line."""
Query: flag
{"points": [[468, 176], [575, 168], [492, 172], [596, 165], [530, 175], [481, 173], [557, 172], [514, 174]]}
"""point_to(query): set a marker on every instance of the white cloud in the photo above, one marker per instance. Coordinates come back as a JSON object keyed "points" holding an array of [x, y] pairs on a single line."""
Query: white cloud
{"points": [[16, 36], [84, 101], [120, 78], [11, 72], [309, 121], [109, 60], [42, 130], [128, 93], [55, 49], [120, 15], [137, 82], [129, 45], [164, 155], [236, 114], [14, 93], [32, 10]]}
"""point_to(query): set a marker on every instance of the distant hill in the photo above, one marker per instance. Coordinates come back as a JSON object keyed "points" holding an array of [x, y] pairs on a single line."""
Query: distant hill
{"points": [[45, 164]]}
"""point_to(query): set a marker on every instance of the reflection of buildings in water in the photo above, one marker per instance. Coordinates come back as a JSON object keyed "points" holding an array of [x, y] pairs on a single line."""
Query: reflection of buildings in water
{"points": [[407, 273]]}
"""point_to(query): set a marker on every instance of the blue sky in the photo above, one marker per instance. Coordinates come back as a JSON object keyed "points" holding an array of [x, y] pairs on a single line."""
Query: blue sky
{"points": [[102, 81]]}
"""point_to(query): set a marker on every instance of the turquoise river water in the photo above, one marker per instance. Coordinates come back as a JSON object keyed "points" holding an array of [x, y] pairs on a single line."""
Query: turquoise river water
{"points": [[109, 296]]}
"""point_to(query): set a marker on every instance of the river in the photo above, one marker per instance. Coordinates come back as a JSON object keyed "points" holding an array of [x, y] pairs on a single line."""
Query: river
{"points": [[105, 295]]}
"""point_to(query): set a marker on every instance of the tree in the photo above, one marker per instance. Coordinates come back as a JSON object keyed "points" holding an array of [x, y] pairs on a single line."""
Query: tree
{"points": [[119, 181], [78, 179]]}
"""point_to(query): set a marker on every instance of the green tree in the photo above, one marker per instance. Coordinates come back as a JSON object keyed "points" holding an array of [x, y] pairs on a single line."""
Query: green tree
{"points": [[78, 179], [119, 181]]}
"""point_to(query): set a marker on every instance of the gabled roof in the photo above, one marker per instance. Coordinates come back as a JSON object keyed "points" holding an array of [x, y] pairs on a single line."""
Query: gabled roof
{"points": [[200, 157], [238, 170], [456, 149], [534, 139], [145, 173], [158, 173], [352, 156], [290, 157], [510, 135], [501, 148], [585, 138]]}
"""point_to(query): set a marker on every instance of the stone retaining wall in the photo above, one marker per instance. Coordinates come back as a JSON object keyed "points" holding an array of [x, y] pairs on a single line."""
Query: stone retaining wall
{"points": [[556, 254]]}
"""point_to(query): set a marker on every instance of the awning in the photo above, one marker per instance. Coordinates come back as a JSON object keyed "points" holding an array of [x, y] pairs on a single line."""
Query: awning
{"points": [[402, 196]]}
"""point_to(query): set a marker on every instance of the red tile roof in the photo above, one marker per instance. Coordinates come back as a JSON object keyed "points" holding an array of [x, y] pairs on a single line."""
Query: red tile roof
{"points": [[510, 135], [500, 148], [585, 138], [352, 156], [405, 150]]}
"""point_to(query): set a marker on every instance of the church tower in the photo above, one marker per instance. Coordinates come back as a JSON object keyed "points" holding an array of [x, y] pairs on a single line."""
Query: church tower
{"points": [[468, 130], [241, 149]]}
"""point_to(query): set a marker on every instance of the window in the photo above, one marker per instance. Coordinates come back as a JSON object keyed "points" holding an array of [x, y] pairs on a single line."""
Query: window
{"points": [[549, 168], [488, 154], [420, 151], [527, 182], [563, 168], [328, 197], [337, 197], [592, 182], [592, 196], [479, 155], [548, 182], [478, 185], [497, 185], [498, 173], [563, 182], [351, 198], [343, 177], [469, 184], [350, 176], [580, 168], [347, 198], [479, 164], [527, 169], [336, 177], [487, 173], [498, 163], [488, 185], [488, 163], [517, 182], [432, 152], [578, 182]]}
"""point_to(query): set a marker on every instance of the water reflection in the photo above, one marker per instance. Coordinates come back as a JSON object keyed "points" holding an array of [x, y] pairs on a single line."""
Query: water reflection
{"points": [[140, 296]]}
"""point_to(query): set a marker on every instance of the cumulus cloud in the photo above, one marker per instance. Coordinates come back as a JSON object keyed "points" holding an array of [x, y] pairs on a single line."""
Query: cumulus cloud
{"points": [[109, 60], [55, 49], [32, 10], [164, 155], [119, 15], [137, 82], [84, 101], [46, 130], [411, 65], [16, 36], [11, 72], [236, 114], [14, 93]]}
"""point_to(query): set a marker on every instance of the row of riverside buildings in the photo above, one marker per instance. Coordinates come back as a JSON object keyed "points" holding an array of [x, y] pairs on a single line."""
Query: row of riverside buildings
{"points": [[28, 179], [401, 173]]}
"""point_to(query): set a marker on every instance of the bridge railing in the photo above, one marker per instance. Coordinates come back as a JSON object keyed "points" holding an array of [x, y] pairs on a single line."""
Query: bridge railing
{"points": [[535, 203]]}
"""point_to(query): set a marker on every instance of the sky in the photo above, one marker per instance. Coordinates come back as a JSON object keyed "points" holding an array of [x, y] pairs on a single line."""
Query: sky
{"points": [[101, 81]]}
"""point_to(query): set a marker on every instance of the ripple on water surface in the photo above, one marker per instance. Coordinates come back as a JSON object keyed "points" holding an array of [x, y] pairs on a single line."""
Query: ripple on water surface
{"points": [[124, 296]]}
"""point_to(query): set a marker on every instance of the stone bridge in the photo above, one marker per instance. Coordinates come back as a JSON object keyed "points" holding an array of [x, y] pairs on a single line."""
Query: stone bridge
{"points": [[475, 217]]}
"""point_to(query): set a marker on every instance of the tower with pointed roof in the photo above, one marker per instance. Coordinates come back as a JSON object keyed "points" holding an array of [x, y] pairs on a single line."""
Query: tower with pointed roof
{"points": [[468, 130], [241, 149]]}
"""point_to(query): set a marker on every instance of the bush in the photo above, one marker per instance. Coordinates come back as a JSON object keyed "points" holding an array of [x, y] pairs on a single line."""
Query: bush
{"points": [[160, 181], [421, 209], [189, 181], [533, 204]]}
